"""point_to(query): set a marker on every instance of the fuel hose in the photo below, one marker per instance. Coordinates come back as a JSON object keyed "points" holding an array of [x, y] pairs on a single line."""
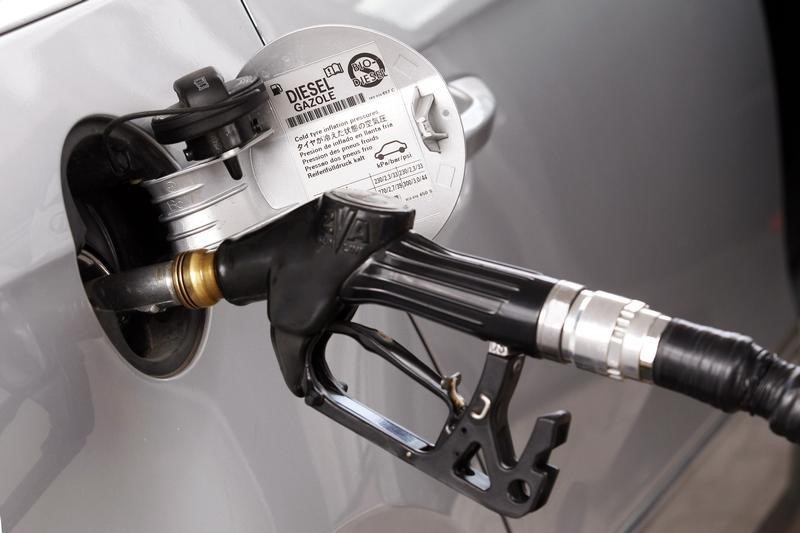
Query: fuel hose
{"points": [[730, 372]]}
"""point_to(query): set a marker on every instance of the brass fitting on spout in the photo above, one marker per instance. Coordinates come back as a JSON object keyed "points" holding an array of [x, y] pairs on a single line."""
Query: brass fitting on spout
{"points": [[194, 279]]}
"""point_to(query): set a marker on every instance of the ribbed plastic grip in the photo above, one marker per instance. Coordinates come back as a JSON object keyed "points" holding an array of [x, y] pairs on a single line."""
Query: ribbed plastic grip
{"points": [[730, 372], [489, 300]]}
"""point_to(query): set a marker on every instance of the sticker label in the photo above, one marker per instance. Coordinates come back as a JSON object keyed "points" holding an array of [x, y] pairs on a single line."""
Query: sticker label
{"points": [[347, 127]]}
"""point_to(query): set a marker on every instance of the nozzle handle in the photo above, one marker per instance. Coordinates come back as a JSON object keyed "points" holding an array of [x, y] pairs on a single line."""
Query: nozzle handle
{"points": [[486, 299]]}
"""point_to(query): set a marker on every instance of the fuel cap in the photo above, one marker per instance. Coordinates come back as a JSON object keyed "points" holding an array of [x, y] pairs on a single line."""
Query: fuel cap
{"points": [[355, 109], [219, 132]]}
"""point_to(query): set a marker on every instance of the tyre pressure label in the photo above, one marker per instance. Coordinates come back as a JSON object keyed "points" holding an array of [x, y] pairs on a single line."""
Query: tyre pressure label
{"points": [[347, 126]]}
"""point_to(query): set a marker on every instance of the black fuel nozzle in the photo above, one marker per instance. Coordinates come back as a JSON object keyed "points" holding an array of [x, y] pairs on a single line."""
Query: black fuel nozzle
{"points": [[314, 267], [317, 280]]}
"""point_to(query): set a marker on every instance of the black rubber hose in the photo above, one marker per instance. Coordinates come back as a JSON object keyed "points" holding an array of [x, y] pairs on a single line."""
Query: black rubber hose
{"points": [[731, 372]]}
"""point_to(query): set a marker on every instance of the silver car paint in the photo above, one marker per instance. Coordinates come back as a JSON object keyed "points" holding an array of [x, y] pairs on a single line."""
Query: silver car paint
{"points": [[635, 150]]}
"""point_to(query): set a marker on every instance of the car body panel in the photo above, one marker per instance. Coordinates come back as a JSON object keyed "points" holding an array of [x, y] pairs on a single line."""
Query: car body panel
{"points": [[635, 150], [16, 13]]}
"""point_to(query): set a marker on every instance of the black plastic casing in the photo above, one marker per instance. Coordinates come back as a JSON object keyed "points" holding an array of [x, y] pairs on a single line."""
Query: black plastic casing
{"points": [[489, 300], [317, 264]]}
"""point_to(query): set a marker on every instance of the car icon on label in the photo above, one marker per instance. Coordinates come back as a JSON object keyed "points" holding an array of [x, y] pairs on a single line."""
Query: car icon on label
{"points": [[390, 148]]}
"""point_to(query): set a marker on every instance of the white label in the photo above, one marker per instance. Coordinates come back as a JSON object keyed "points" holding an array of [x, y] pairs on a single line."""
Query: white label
{"points": [[347, 127]]}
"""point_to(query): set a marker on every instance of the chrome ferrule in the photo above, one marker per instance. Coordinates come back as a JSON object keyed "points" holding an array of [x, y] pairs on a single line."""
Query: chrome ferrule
{"points": [[600, 332]]}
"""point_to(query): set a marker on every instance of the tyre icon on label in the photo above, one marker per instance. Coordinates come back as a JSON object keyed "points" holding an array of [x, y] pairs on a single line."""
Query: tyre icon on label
{"points": [[390, 148]]}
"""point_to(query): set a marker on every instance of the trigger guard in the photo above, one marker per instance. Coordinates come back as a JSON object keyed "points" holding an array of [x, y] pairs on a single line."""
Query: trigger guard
{"points": [[512, 485], [388, 349]]}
